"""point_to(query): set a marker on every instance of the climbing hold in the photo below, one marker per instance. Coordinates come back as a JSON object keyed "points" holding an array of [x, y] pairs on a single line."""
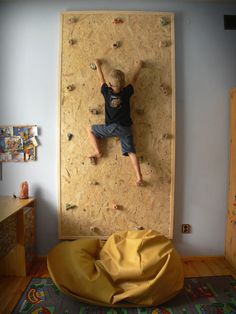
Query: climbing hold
{"points": [[163, 43], [117, 207], [141, 159], [72, 20], [117, 21], [166, 136], [71, 42], [93, 229], [94, 111], [93, 182], [70, 206], [93, 66], [93, 160], [14, 196], [141, 183], [165, 90], [163, 21], [70, 88], [116, 45], [139, 111], [138, 228], [69, 136]]}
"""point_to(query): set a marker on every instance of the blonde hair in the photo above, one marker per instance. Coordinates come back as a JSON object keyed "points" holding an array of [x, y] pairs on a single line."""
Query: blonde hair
{"points": [[117, 78]]}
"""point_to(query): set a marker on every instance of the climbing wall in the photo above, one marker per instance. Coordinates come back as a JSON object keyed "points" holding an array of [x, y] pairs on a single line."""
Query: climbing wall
{"points": [[97, 200]]}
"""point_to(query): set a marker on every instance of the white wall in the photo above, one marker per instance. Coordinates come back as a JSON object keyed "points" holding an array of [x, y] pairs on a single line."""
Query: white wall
{"points": [[205, 71]]}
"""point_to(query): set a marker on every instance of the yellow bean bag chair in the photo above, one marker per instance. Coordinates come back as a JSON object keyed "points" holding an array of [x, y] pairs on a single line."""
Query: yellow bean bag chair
{"points": [[133, 268]]}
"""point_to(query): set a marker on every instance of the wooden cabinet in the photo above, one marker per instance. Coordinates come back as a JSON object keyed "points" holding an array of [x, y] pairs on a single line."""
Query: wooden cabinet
{"points": [[230, 244], [17, 235]]}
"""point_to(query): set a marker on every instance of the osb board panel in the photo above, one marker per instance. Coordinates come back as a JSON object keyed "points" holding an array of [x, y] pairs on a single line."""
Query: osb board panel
{"points": [[87, 36]]}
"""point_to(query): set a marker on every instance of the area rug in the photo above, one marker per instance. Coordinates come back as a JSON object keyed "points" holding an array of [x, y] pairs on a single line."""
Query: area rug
{"points": [[204, 295]]}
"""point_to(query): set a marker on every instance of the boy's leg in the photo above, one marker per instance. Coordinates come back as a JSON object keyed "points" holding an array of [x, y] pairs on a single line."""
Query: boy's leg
{"points": [[96, 132], [94, 141], [128, 149], [136, 165]]}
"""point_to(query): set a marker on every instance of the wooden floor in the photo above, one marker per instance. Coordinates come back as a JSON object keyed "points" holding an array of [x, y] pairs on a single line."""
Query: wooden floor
{"points": [[11, 288]]}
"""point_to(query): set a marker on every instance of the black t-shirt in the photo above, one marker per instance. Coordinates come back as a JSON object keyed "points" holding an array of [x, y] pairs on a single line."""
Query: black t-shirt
{"points": [[117, 106]]}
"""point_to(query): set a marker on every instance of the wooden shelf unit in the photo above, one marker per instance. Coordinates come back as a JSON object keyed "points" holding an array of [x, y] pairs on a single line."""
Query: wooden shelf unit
{"points": [[17, 235]]}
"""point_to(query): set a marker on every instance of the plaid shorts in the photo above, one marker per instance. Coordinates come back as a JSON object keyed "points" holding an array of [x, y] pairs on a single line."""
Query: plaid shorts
{"points": [[124, 133]]}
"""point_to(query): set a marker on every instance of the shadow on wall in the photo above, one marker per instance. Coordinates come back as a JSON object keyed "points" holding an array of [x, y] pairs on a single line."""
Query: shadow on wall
{"points": [[46, 221]]}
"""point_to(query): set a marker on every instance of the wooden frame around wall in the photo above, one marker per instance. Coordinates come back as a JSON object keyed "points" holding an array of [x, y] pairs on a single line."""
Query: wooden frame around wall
{"points": [[78, 214], [230, 238]]}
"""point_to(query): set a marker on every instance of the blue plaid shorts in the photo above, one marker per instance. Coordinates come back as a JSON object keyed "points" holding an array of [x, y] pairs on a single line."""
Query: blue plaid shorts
{"points": [[124, 133]]}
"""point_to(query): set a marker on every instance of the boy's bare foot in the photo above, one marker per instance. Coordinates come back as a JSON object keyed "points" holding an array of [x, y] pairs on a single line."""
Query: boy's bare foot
{"points": [[93, 158], [140, 183]]}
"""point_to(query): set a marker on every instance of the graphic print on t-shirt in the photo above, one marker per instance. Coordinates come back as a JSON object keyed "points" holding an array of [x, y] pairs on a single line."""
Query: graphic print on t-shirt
{"points": [[115, 102]]}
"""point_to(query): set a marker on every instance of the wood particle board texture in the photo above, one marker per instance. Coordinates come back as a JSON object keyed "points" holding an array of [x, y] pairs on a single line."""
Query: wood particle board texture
{"points": [[89, 193]]}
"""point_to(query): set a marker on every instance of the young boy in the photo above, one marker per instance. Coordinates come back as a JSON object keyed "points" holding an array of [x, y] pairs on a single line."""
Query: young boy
{"points": [[117, 115]]}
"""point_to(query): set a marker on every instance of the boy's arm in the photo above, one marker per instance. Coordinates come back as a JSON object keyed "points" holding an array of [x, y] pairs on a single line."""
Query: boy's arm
{"points": [[137, 67], [99, 71]]}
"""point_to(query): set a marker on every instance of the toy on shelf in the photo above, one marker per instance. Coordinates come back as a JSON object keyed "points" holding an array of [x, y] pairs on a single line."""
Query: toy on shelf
{"points": [[24, 190]]}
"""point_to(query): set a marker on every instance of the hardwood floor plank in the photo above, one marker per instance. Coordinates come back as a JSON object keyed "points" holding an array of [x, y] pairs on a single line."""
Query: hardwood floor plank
{"points": [[218, 268], [189, 271], [201, 269]]}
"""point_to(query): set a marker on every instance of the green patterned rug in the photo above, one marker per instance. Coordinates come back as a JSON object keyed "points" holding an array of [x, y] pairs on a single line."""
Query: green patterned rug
{"points": [[205, 295]]}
